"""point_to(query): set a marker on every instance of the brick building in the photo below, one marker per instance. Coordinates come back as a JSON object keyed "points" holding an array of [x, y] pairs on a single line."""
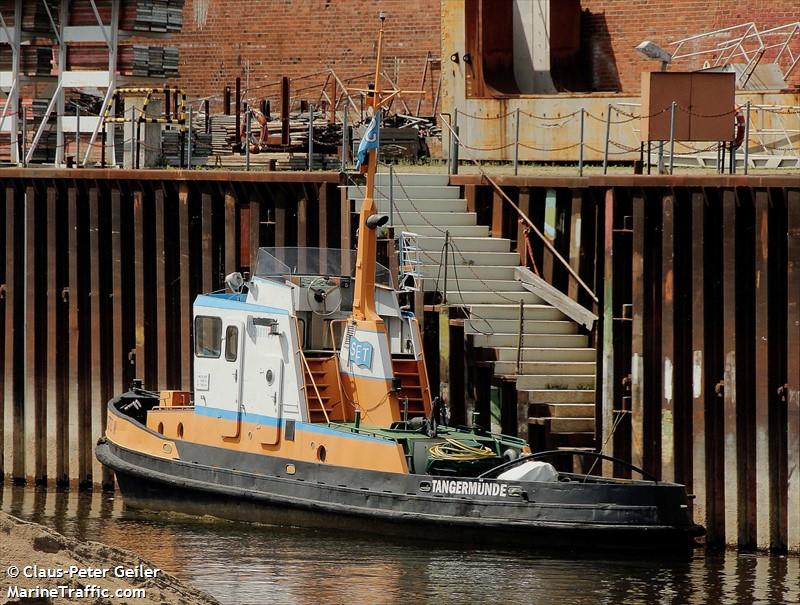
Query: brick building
{"points": [[261, 40]]}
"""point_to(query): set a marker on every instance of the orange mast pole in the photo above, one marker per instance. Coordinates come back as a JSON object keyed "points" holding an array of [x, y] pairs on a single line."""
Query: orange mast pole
{"points": [[364, 291]]}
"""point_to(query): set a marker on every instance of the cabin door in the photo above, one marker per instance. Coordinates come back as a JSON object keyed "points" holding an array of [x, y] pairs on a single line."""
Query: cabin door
{"points": [[230, 378], [272, 375]]}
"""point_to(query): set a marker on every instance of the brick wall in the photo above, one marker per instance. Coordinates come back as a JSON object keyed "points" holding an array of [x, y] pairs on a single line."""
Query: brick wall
{"points": [[274, 38], [615, 27]]}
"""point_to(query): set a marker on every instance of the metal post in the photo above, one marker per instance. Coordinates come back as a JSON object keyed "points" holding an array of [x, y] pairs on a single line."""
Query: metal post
{"points": [[391, 195], [77, 135], [672, 136], [310, 137], [133, 137], [446, 253], [24, 138], [608, 135], [519, 335], [207, 112], [247, 142], [189, 144], [733, 157], [454, 138], [345, 141], [103, 145], [138, 129], [746, 136], [580, 149], [516, 143]]}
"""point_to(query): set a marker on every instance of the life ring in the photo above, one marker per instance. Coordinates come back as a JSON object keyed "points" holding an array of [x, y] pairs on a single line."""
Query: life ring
{"points": [[739, 121]]}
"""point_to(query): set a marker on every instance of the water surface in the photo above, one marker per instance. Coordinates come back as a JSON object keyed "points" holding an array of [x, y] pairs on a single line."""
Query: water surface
{"points": [[241, 563]]}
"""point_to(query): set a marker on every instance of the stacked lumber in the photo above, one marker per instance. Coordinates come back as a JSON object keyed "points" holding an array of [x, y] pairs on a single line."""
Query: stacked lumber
{"points": [[34, 60], [133, 60], [159, 16], [45, 152], [223, 132], [172, 141], [35, 18]]}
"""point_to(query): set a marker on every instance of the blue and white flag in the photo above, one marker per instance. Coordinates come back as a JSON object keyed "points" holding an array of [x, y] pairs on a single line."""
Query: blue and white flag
{"points": [[370, 140]]}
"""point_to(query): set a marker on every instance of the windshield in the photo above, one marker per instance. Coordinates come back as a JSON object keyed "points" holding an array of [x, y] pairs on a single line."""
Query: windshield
{"points": [[284, 262]]}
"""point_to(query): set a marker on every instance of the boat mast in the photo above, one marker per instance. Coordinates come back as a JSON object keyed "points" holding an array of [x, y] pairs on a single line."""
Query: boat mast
{"points": [[364, 291]]}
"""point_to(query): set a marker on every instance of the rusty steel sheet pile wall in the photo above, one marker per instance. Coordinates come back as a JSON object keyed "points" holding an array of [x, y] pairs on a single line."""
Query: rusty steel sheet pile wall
{"points": [[698, 338], [99, 273]]}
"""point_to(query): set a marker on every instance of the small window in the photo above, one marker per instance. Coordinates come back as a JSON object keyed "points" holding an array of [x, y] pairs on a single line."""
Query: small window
{"points": [[231, 343], [207, 336]]}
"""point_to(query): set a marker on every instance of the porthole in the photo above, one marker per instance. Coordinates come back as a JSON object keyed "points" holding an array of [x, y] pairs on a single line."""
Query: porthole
{"points": [[161, 428], [321, 453], [270, 377], [180, 430]]}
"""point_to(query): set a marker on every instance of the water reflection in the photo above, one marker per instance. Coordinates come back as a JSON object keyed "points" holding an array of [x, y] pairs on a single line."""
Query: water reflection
{"points": [[239, 563]]}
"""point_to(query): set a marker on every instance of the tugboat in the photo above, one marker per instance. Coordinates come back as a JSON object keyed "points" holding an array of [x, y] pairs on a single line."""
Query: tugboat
{"points": [[311, 406]]}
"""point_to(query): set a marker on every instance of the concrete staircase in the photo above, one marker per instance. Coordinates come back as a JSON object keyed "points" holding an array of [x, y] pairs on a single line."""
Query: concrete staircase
{"points": [[557, 369]]}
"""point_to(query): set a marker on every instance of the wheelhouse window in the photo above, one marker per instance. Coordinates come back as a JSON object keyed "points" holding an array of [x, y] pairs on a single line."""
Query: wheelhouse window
{"points": [[231, 343], [207, 336]]}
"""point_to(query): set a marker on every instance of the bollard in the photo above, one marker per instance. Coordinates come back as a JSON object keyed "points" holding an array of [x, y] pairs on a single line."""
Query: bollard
{"points": [[189, 144], [672, 136], [345, 141], [207, 112], [608, 135], [746, 137], [310, 137], [516, 144], [580, 149]]}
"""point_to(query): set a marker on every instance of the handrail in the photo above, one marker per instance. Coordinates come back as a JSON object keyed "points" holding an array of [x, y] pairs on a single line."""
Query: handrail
{"points": [[524, 217]]}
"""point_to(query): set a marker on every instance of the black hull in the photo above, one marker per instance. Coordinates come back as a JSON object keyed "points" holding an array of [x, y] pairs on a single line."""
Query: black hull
{"points": [[639, 516]]}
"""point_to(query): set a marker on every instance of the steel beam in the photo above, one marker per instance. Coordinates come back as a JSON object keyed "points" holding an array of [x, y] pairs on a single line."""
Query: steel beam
{"points": [[524, 204], [96, 408], [140, 339], [793, 368], [231, 225], [161, 291], [78, 461], [761, 370], [575, 248], [638, 379], [31, 449], [699, 394], [731, 453], [118, 353], [11, 419], [207, 242], [608, 386], [185, 288], [53, 417], [668, 344]]}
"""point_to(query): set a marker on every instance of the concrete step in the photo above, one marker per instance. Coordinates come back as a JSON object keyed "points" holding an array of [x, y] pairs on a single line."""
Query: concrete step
{"points": [[555, 381], [408, 220], [436, 229], [408, 179], [546, 368], [472, 259], [463, 297], [465, 244], [411, 220], [483, 325], [560, 396], [531, 340], [414, 192], [430, 270], [421, 205], [508, 310], [493, 285], [562, 410], [542, 354]]}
